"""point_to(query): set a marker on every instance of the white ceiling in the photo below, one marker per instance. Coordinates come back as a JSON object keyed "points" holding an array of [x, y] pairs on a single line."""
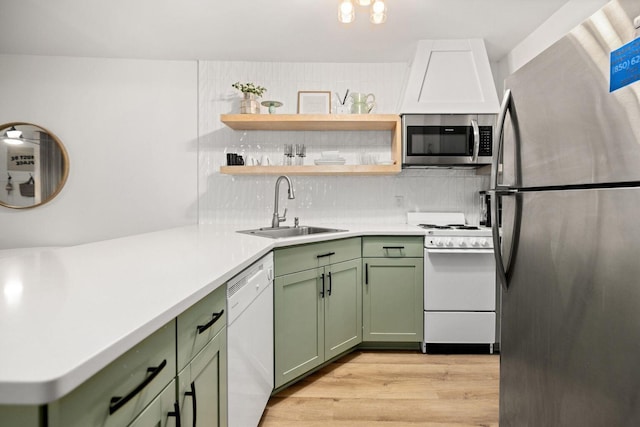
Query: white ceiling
{"points": [[259, 30]]}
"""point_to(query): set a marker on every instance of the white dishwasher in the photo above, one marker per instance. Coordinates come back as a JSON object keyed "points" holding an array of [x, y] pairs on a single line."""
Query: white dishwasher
{"points": [[250, 342]]}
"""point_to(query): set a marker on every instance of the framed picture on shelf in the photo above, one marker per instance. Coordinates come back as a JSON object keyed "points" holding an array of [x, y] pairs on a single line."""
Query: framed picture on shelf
{"points": [[314, 102]]}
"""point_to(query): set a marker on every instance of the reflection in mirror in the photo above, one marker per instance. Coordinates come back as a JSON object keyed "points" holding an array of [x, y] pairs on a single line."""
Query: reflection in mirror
{"points": [[33, 165]]}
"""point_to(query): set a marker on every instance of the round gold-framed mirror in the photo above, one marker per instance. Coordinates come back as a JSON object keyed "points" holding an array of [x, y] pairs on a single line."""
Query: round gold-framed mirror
{"points": [[34, 165]]}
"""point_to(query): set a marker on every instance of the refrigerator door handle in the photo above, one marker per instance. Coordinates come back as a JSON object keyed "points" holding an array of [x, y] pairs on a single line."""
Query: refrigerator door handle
{"points": [[503, 271], [499, 138], [498, 191], [476, 140]]}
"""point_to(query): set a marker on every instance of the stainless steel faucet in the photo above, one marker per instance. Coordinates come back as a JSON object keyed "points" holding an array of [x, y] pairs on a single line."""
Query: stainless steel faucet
{"points": [[277, 219]]}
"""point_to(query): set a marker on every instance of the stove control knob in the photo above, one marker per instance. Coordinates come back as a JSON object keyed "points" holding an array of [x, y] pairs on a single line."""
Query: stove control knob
{"points": [[462, 243], [484, 242], [474, 242], [439, 242], [449, 242]]}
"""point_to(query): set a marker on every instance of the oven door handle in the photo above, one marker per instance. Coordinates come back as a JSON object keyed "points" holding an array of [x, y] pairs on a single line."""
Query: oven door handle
{"points": [[459, 251]]}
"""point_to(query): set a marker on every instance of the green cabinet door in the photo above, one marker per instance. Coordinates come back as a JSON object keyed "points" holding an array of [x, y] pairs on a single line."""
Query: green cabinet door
{"points": [[298, 328], [393, 299], [202, 386], [342, 307]]}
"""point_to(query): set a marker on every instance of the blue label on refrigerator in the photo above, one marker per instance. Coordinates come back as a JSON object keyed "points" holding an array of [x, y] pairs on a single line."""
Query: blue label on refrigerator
{"points": [[625, 65]]}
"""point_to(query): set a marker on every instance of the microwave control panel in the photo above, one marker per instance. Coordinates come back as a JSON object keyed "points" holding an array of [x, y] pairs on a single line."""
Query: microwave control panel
{"points": [[486, 141]]}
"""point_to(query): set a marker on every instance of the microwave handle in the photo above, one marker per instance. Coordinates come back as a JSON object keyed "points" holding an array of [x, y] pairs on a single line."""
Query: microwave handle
{"points": [[476, 140]]}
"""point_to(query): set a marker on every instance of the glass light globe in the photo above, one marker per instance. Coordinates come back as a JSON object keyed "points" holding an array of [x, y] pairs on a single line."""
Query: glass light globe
{"points": [[346, 11], [378, 12], [346, 19], [346, 7], [378, 18], [14, 133], [378, 7]]}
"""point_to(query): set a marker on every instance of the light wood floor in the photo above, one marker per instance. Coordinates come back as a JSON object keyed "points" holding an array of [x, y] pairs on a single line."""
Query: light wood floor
{"points": [[384, 389]]}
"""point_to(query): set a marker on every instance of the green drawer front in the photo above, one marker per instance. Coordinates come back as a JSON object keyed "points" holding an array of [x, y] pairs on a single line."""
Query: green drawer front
{"points": [[303, 257], [209, 309], [393, 246], [157, 413], [90, 403]]}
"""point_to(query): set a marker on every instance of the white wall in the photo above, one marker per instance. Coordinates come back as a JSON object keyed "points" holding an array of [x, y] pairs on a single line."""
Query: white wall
{"points": [[557, 26], [239, 200], [130, 128]]}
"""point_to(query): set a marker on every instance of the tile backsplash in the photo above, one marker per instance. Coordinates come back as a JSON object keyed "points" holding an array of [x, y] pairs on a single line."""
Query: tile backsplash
{"points": [[235, 199]]}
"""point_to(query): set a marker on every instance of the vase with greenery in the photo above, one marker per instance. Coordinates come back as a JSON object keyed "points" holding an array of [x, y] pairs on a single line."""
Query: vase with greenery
{"points": [[249, 105]]}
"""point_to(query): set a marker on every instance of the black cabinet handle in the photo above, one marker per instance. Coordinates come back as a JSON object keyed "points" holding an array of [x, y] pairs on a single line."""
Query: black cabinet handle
{"points": [[216, 317], [329, 291], [366, 274], [175, 413], [393, 247], [118, 402], [324, 255], [194, 405], [322, 291]]}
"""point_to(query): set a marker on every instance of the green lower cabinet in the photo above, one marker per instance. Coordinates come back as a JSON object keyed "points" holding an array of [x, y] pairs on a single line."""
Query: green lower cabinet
{"points": [[139, 388], [393, 299], [21, 416], [318, 315], [202, 386]]}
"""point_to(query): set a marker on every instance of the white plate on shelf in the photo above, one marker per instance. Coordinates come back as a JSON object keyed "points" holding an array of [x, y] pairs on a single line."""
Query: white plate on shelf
{"points": [[340, 161], [330, 155]]}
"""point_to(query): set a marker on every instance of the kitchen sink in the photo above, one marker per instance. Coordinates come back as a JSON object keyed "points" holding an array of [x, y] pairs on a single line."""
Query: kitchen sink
{"points": [[281, 232]]}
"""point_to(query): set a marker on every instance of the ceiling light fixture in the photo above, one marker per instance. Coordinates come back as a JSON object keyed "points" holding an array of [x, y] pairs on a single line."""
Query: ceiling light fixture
{"points": [[346, 10], [378, 12], [14, 133], [13, 136]]}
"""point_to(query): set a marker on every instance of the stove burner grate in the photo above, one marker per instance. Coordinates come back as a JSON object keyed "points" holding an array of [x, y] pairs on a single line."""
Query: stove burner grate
{"points": [[467, 227]]}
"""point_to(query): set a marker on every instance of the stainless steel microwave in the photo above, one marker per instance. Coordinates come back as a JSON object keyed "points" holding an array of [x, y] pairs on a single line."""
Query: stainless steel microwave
{"points": [[447, 139]]}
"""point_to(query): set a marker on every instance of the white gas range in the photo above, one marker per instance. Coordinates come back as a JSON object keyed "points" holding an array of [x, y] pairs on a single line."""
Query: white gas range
{"points": [[459, 280]]}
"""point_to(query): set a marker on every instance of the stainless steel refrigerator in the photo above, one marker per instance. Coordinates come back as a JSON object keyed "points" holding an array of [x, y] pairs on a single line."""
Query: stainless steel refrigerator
{"points": [[569, 138]]}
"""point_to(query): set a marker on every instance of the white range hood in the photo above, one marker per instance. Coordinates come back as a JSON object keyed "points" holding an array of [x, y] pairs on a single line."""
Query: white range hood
{"points": [[450, 77]]}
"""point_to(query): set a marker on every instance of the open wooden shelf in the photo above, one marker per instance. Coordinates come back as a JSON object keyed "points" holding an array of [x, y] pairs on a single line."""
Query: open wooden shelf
{"points": [[312, 170], [319, 122], [302, 122]]}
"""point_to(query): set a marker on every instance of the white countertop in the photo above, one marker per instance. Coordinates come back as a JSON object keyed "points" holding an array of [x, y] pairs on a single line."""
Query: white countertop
{"points": [[66, 313]]}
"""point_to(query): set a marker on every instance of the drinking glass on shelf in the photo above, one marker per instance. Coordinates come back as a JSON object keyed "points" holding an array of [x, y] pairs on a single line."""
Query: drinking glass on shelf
{"points": [[301, 153], [288, 154]]}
